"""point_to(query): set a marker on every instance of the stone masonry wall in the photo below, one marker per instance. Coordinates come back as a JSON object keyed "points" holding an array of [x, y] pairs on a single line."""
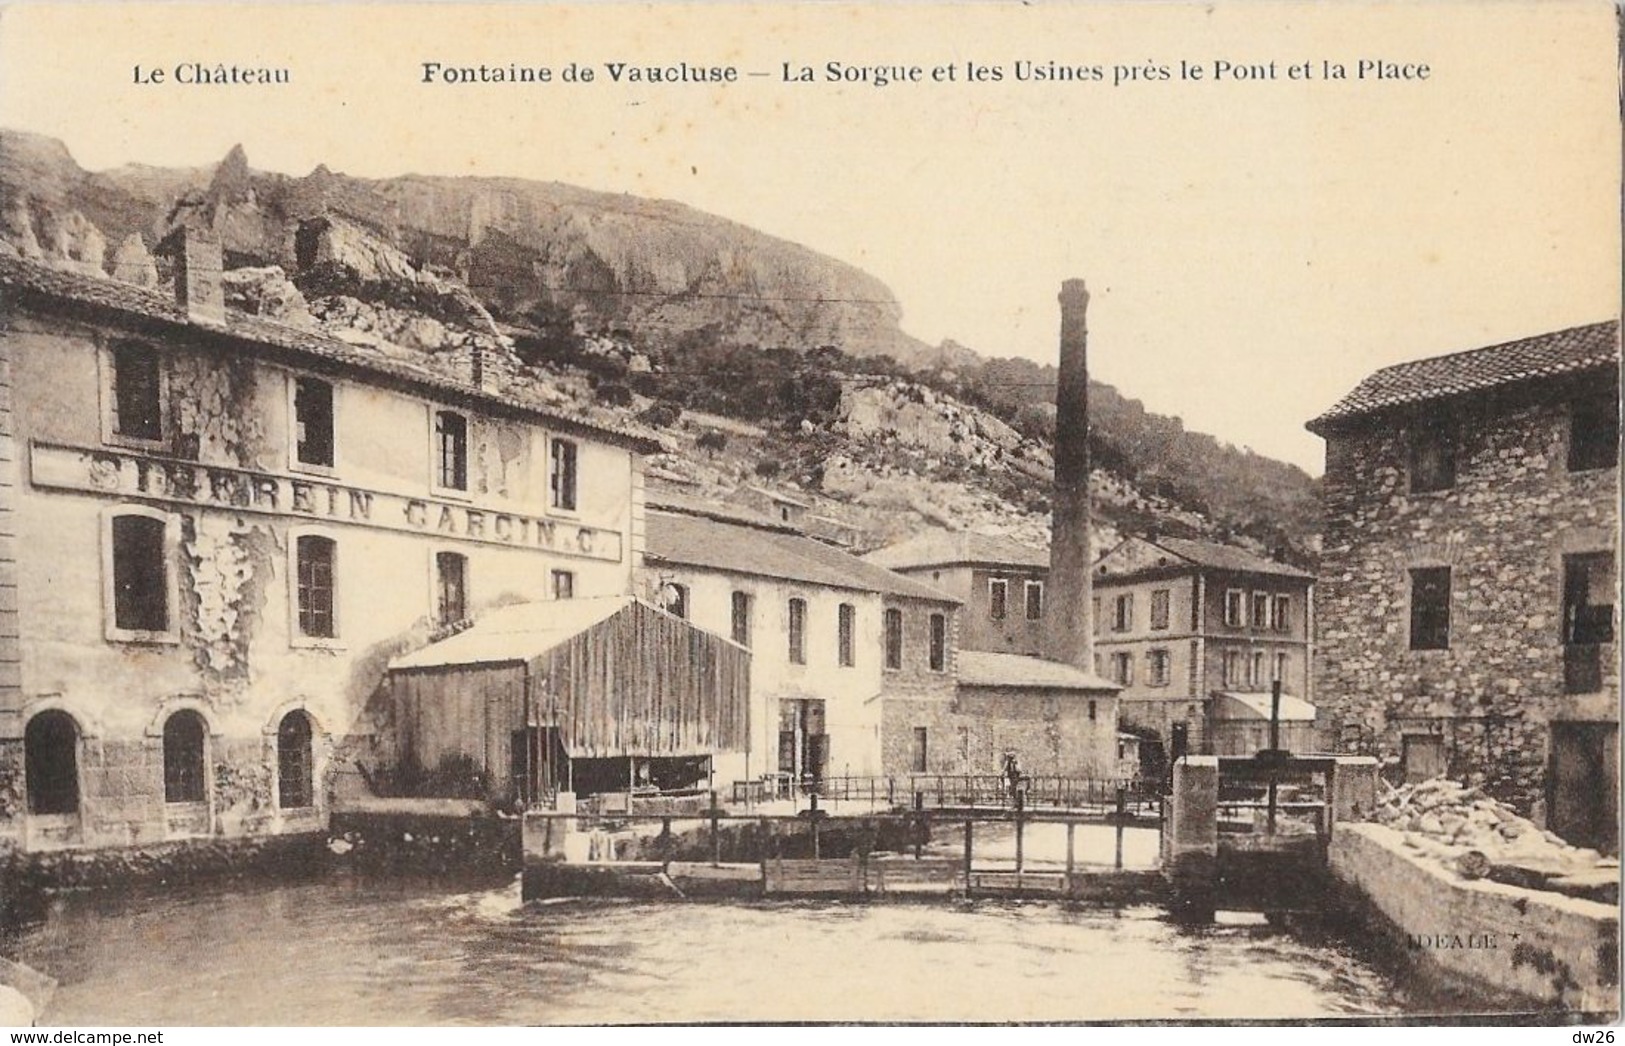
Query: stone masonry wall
{"points": [[1503, 528]]}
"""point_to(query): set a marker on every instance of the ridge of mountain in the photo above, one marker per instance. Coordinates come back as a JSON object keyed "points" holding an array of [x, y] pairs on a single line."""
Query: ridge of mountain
{"points": [[633, 306]]}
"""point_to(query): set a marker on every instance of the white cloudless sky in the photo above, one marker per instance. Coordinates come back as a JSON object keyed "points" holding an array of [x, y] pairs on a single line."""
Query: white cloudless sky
{"points": [[1254, 247]]}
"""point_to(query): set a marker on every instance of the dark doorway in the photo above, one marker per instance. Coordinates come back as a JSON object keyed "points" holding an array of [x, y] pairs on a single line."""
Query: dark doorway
{"points": [[185, 767], [1582, 789], [295, 788], [803, 744], [51, 763]]}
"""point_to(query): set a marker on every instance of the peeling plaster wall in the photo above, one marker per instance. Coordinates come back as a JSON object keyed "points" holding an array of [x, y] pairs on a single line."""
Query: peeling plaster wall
{"points": [[237, 657]]}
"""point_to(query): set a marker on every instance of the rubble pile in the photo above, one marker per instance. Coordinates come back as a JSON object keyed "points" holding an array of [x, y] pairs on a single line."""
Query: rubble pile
{"points": [[1450, 821]]}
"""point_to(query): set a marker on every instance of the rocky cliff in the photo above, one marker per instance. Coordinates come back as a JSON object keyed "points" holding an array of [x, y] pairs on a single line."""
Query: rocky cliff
{"points": [[610, 261], [625, 307]]}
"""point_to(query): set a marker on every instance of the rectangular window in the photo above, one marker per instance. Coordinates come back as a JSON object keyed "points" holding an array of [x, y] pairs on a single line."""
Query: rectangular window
{"points": [[1430, 608], [561, 477], [137, 392], [1280, 669], [1235, 608], [315, 556], [140, 574], [564, 584], [1255, 669], [894, 638], [1159, 608], [674, 599], [939, 643], [1283, 614], [1094, 615], [313, 422], [917, 756], [1433, 455], [1594, 432], [1157, 664], [1123, 612], [1230, 668], [1588, 619], [741, 618], [798, 631], [998, 598], [1261, 610], [451, 450], [845, 615], [451, 574], [1035, 600], [1123, 669]]}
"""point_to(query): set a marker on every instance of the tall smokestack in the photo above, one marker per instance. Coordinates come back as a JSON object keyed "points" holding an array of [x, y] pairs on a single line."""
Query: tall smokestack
{"points": [[1068, 633]]}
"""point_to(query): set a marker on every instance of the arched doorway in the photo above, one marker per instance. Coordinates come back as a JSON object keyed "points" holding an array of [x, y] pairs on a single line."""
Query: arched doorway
{"points": [[295, 787], [51, 763], [185, 758]]}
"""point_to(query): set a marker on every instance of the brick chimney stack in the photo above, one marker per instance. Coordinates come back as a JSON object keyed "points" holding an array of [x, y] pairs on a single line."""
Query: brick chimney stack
{"points": [[198, 268], [1068, 630]]}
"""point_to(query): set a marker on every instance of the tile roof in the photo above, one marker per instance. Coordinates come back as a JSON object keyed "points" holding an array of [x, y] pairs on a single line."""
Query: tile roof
{"points": [[33, 280], [693, 505], [738, 548], [936, 548], [983, 668], [1227, 557], [1544, 355]]}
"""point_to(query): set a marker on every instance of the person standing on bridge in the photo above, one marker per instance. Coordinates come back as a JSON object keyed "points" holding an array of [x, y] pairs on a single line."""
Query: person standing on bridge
{"points": [[1012, 774]]}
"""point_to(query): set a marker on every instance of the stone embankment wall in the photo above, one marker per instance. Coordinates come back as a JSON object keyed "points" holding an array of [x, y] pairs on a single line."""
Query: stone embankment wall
{"points": [[1544, 949], [425, 843]]}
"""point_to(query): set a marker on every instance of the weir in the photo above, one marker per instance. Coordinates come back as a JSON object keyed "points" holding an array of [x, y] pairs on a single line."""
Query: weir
{"points": [[891, 853], [1233, 834]]}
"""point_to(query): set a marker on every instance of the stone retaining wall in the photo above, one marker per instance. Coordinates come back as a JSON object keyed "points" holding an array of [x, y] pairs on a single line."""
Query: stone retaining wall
{"points": [[1543, 948]]}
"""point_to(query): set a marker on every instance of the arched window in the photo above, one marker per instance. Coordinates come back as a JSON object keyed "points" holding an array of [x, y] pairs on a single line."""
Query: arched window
{"points": [[185, 765], [293, 761], [51, 763]]}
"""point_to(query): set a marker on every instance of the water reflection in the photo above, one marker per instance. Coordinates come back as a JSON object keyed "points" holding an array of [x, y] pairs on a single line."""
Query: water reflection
{"points": [[354, 952]]}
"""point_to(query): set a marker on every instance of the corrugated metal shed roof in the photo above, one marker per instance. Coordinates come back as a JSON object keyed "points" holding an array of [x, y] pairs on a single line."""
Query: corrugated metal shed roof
{"points": [[936, 548], [31, 278], [515, 633], [983, 668], [1256, 705], [1227, 557], [1544, 355], [737, 548]]}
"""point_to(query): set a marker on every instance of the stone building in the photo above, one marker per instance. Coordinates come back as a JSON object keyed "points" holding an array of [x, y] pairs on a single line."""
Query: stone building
{"points": [[1188, 629], [215, 531], [1467, 616], [999, 581]]}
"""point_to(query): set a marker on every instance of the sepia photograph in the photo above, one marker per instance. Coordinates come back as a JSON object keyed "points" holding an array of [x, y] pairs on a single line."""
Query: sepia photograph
{"points": [[784, 513]]}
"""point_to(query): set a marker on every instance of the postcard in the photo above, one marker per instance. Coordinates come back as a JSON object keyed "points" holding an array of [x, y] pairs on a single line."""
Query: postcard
{"points": [[809, 513]]}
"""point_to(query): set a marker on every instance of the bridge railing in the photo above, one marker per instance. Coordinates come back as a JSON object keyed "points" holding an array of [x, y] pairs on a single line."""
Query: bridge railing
{"points": [[964, 790]]}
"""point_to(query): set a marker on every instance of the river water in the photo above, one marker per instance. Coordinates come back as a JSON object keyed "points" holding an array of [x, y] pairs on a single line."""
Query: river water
{"points": [[353, 951]]}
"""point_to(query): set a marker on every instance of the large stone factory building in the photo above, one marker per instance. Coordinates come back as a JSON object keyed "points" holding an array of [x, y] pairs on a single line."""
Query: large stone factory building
{"points": [[216, 530], [1467, 618]]}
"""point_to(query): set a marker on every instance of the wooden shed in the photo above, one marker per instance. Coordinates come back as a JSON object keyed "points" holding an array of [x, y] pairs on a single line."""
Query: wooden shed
{"points": [[1239, 723], [576, 695]]}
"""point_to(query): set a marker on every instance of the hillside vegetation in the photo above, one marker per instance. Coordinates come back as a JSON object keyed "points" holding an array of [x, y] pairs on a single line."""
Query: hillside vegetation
{"points": [[764, 363]]}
